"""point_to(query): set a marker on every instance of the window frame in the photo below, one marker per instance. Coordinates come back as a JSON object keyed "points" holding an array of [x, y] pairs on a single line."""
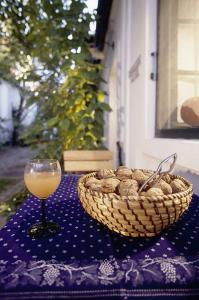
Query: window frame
{"points": [[172, 133], [153, 149]]}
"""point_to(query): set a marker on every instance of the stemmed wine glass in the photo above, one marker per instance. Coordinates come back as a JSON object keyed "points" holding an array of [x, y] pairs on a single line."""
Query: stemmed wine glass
{"points": [[42, 177]]}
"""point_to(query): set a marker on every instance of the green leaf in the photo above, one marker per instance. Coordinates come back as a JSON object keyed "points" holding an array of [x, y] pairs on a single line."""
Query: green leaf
{"points": [[105, 106], [64, 124], [101, 96], [52, 122]]}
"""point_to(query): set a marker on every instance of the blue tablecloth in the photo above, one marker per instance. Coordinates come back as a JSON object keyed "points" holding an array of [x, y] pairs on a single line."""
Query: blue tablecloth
{"points": [[86, 260]]}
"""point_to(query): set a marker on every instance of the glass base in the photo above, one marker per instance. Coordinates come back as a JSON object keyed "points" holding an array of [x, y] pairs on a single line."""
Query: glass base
{"points": [[40, 231]]}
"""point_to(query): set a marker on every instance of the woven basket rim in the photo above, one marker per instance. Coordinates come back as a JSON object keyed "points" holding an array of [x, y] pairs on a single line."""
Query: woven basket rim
{"points": [[114, 196]]}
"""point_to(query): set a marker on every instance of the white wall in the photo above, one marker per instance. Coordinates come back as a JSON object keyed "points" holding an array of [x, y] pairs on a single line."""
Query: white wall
{"points": [[9, 99], [9, 96], [115, 75], [133, 28]]}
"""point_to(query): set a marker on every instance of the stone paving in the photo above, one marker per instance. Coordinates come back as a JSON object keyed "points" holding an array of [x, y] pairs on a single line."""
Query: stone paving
{"points": [[12, 162]]}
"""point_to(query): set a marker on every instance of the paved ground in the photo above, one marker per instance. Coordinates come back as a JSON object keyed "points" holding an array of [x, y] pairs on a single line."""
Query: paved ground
{"points": [[12, 162]]}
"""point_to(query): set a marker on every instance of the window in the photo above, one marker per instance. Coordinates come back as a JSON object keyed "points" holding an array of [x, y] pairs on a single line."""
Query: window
{"points": [[177, 113]]}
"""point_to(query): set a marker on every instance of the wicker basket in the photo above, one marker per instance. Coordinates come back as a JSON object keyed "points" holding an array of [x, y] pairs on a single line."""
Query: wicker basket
{"points": [[135, 216]]}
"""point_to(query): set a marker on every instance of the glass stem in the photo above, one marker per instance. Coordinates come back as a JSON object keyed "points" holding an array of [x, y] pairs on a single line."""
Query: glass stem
{"points": [[43, 201]]}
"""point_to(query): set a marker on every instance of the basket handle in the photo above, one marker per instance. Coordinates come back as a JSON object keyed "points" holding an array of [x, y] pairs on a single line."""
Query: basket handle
{"points": [[159, 171]]}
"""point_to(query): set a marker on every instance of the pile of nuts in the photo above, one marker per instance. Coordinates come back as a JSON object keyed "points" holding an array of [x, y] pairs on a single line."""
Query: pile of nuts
{"points": [[126, 182]]}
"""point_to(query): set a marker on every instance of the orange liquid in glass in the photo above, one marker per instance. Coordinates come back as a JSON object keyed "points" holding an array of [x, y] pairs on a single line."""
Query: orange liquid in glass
{"points": [[42, 184]]}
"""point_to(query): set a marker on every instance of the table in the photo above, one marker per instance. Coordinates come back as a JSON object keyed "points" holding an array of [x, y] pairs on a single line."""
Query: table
{"points": [[87, 261]]}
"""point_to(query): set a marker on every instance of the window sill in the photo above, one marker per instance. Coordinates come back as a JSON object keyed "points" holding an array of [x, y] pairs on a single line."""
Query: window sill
{"points": [[179, 133]]}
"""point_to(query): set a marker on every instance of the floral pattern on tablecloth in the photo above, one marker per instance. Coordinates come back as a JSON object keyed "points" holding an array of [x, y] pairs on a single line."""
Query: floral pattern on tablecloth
{"points": [[143, 272]]}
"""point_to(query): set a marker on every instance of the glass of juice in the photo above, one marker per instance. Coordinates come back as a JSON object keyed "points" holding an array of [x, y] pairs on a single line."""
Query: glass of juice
{"points": [[42, 177]]}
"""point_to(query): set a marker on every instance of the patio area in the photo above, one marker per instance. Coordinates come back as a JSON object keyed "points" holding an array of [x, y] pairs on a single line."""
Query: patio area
{"points": [[12, 163]]}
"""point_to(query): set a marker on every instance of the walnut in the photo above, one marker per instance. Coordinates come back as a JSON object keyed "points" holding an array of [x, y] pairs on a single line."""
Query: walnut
{"points": [[105, 173], [109, 185], [165, 187], [128, 183], [167, 178], [121, 168], [143, 194], [90, 181], [154, 192], [128, 191], [96, 186], [177, 186], [123, 173], [139, 176], [155, 178]]}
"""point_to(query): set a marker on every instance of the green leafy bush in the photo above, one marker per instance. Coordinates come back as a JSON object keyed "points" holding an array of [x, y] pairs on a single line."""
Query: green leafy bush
{"points": [[46, 53], [8, 208]]}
